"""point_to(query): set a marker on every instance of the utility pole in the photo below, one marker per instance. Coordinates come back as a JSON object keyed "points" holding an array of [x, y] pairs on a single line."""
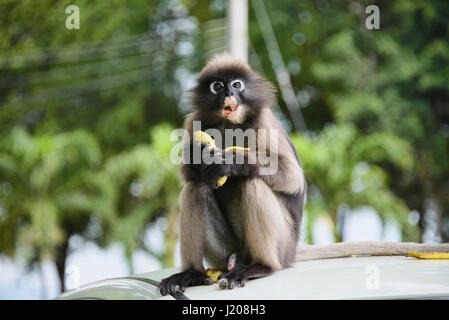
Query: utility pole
{"points": [[238, 28]]}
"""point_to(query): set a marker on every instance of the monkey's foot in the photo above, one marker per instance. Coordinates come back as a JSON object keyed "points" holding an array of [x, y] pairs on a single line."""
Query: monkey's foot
{"points": [[240, 274], [180, 281]]}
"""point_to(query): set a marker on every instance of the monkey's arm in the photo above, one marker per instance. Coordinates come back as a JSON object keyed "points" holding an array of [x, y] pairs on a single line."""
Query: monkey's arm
{"points": [[287, 178], [277, 165], [345, 249], [282, 174], [228, 164], [193, 166]]}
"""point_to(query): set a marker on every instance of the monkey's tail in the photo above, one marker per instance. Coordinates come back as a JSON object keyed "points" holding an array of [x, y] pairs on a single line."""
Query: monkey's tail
{"points": [[345, 249]]}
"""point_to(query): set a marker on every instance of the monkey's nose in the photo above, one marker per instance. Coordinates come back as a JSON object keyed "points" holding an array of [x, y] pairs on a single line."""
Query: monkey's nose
{"points": [[230, 102]]}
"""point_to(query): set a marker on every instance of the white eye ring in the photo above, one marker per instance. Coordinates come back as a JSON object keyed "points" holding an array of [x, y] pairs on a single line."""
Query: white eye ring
{"points": [[242, 85], [212, 86]]}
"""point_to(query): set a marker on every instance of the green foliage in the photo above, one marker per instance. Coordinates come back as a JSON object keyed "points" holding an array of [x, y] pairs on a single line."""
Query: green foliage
{"points": [[83, 149], [391, 84], [341, 169], [144, 183], [37, 173], [56, 186]]}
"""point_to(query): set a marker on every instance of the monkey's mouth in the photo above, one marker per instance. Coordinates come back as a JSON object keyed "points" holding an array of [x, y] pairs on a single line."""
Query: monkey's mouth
{"points": [[230, 110]]}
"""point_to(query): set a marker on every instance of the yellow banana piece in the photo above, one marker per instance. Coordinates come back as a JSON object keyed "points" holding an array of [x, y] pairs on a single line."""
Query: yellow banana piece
{"points": [[236, 148], [428, 255], [203, 137], [221, 181], [213, 274]]}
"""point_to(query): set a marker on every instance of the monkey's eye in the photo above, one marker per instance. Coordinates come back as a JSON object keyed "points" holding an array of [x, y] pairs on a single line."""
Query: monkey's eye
{"points": [[238, 84], [216, 86]]}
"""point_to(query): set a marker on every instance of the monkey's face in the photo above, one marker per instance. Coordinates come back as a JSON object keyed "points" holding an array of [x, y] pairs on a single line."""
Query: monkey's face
{"points": [[229, 93], [224, 95], [230, 90]]}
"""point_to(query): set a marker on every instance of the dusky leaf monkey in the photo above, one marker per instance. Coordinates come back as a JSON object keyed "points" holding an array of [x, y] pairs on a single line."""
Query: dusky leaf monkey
{"points": [[254, 215], [248, 227]]}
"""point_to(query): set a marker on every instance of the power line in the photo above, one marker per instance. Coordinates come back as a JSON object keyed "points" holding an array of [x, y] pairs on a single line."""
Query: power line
{"points": [[97, 84], [80, 45], [73, 72], [66, 73], [140, 50], [88, 87], [282, 74], [101, 43], [284, 122]]}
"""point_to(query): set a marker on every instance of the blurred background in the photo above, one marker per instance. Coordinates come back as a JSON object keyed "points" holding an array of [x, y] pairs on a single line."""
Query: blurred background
{"points": [[87, 189]]}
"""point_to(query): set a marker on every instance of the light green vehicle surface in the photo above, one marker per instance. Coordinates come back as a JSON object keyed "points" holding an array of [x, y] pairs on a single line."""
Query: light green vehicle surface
{"points": [[344, 278]]}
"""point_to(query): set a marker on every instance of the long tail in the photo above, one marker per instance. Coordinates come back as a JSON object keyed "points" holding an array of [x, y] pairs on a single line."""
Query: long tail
{"points": [[344, 249]]}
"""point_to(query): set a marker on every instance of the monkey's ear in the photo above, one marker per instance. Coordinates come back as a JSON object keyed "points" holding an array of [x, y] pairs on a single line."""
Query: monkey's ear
{"points": [[262, 83], [259, 91], [193, 96]]}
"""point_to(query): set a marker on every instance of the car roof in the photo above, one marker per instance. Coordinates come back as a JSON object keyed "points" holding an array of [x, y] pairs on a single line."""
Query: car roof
{"points": [[372, 277]]}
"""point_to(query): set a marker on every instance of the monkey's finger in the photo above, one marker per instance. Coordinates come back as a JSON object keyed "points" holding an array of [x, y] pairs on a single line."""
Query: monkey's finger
{"points": [[231, 284], [226, 283], [242, 281], [212, 182], [185, 282], [163, 287], [223, 283], [225, 275], [172, 284], [172, 288], [239, 282], [163, 290]]}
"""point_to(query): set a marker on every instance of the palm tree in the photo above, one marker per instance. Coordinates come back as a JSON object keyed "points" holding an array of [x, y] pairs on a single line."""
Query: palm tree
{"points": [[47, 195], [341, 168]]}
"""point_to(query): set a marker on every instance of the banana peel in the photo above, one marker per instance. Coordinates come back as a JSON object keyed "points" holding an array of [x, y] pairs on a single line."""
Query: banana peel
{"points": [[428, 255], [213, 274], [203, 137]]}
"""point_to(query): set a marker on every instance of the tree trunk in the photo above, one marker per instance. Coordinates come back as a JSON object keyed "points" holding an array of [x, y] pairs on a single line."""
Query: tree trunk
{"points": [[43, 281], [336, 226], [61, 255]]}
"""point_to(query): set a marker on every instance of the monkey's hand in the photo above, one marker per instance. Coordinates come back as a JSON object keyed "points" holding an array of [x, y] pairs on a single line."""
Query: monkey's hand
{"points": [[215, 174], [231, 162], [180, 281], [194, 153]]}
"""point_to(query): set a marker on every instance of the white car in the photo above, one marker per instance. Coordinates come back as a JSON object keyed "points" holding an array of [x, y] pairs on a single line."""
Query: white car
{"points": [[363, 277]]}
